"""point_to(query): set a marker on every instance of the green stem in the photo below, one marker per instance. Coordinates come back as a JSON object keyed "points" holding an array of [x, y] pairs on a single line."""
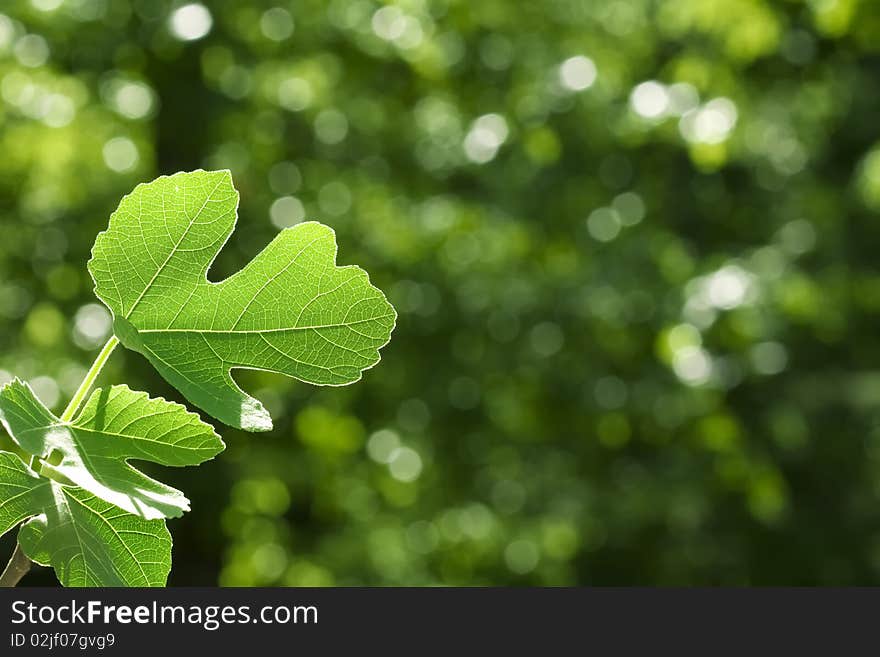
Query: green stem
{"points": [[19, 564], [91, 375]]}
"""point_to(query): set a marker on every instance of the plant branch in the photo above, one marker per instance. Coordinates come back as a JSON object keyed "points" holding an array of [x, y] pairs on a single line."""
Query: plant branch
{"points": [[19, 564], [18, 567]]}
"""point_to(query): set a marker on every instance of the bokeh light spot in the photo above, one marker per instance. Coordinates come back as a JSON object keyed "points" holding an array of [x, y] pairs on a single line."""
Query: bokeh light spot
{"points": [[650, 100], [276, 24], [577, 73], [286, 211], [191, 22], [405, 464], [121, 154]]}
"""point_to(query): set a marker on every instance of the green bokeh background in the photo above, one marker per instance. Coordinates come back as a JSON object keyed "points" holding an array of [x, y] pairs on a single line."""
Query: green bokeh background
{"points": [[632, 245]]}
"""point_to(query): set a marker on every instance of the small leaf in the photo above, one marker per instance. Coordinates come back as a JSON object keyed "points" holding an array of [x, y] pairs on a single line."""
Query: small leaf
{"points": [[116, 424], [291, 310], [86, 540]]}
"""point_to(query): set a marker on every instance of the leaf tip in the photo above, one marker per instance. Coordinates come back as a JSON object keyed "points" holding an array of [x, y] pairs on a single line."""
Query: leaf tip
{"points": [[254, 416]]}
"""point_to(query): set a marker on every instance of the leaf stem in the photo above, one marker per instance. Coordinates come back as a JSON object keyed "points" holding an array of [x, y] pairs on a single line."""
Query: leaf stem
{"points": [[19, 564], [87, 382]]}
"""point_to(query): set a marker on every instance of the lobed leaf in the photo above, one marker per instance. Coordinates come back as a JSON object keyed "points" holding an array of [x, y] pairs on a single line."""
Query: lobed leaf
{"points": [[291, 310], [89, 542], [114, 425]]}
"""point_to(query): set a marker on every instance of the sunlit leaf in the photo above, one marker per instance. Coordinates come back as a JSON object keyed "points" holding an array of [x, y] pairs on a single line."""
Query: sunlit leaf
{"points": [[290, 310], [88, 541], [115, 425]]}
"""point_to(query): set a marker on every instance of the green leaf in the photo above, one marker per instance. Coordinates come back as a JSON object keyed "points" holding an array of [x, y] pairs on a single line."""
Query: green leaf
{"points": [[22, 491], [291, 310], [114, 425], [88, 541]]}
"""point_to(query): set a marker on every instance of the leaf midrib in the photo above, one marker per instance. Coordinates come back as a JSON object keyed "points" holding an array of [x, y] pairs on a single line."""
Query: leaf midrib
{"points": [[132, 437], [274, 330], [97, 513]]}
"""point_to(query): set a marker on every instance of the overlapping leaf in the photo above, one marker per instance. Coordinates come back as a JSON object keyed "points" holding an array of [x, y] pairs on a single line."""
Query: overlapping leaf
{"points": [[291, 310], [23, 493], [116, 424], [88, 541]]}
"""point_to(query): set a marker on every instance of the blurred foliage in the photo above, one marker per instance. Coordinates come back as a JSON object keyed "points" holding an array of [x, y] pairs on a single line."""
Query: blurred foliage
{"points": [[632, 243]]}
